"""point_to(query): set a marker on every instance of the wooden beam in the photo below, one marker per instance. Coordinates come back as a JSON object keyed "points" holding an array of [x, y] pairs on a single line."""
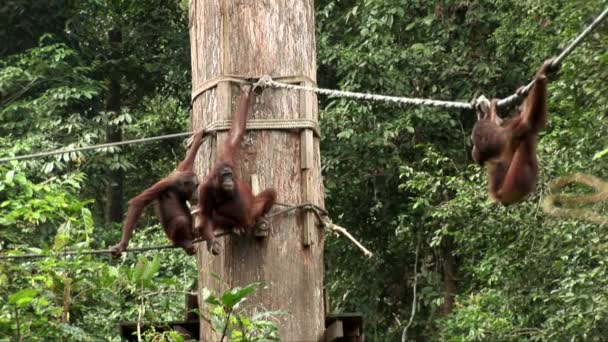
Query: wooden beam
{"points": [[307, 102]]}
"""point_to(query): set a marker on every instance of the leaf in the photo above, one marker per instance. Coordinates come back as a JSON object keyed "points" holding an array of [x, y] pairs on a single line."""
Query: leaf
{"points": [[150, 269], [138, 270], [23, 297], [209, 298], [9, 176], [600, 154], [87, 219], [346, 134], [236, 295]]}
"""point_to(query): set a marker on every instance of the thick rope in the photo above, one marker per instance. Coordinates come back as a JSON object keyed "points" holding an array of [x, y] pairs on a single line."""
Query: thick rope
{"points": [[267, 81], [269, 124], [508, 101]]}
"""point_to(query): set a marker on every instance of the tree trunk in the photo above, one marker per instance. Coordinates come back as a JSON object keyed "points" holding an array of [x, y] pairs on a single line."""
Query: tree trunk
{"points": [[449, 275], [115, 187], [252, 38]]}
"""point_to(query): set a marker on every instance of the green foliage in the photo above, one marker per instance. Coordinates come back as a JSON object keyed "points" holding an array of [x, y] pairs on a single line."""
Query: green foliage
{"points": [[28, 209], [416, 182], [482, 317], [230, 321], [52, 95]]}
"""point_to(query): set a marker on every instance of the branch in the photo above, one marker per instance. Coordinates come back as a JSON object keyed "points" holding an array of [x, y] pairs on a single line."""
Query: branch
{"points": [[414, 286], [343, 231]]}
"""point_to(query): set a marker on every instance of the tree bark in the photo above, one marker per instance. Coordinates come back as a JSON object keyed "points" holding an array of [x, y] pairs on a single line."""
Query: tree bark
{"points": [[115, 187], [252, 38]]}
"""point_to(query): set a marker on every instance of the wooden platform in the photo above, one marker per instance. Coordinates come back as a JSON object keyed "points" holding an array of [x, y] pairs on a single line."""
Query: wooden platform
{"points": [[344, 327]]}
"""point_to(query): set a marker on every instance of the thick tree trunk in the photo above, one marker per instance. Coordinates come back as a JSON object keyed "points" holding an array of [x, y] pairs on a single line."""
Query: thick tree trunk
{"points": [[115, 187], [248, 38]]}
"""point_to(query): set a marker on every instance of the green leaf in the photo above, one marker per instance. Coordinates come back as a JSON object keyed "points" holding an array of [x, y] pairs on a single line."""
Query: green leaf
{"points": [[9, 176], [600, 154], [236, 295], [23, 297], [209, 298], [150, 269], [346, 134]]}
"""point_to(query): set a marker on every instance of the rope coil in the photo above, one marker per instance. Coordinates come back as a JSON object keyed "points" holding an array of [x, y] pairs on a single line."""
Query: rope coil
{"points": [[600, 194], [268, 124]]}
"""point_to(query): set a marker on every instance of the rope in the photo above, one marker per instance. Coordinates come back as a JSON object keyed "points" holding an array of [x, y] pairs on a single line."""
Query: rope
{"points": [[507, 101], [100, 251], [271, 124], [89, 252], [257, 124], [320, 213], [554, 197], [290, 208], [267, 81], [324, 221], [212, 83], [96, 147]]}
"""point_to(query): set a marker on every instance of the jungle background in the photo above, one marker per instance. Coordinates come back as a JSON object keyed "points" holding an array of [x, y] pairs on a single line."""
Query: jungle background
{"points": [[76, 73]]}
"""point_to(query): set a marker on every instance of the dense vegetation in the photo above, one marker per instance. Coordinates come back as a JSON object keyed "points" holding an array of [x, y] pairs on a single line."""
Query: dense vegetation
{"points": [[483, 272]]}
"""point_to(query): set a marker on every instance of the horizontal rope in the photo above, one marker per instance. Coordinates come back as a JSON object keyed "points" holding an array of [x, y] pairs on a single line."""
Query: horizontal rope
{"points": [[256, 124], [320, 213], [96, 147], [89, 252], [99, 251], [267, 81], [150, 248]]}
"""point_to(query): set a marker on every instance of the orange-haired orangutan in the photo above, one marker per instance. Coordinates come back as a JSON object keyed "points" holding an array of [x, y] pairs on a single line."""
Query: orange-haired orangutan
{"points": [[225, 201], [509, 148], [170, 194]]}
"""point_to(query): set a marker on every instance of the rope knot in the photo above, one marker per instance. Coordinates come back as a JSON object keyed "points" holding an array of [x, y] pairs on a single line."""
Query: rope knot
{"points": [[482, 106], [264, 82]]}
